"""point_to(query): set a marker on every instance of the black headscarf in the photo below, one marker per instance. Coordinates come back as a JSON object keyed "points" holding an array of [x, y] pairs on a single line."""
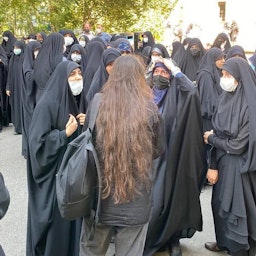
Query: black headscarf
{"points": [[98, 39], [44, 36], [151, 40], [8, 46], [81, 49], [85, 38], [50, 55], [190, 64], [243, 73], [207, 64], [101, 75], [208, 84], [68, 47], [236, 50], [94, 51], [161, 49], [175, 47]]}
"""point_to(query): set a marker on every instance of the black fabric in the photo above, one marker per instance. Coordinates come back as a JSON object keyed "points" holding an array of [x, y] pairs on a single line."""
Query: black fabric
{"points": [[94, 51], [4, 117], [78, 182], [234, 51], [15, 83], [28, 93], [180, 171], [208, 84], [5, 197], [151, 40], [8, 45], [82, 63], [101, 75], [68, 47], [175, 47], [190, 64], [50, 55], [48, 233], [233, 200], [178, 56], [162, 49]]}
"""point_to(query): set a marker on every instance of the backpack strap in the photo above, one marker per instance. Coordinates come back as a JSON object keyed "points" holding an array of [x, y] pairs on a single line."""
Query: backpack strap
{"points": [[94, 110]]}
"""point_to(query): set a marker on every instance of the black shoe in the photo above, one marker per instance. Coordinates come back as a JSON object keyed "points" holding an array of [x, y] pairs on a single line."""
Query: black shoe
{"points": [[212, 246], [175, 251]]}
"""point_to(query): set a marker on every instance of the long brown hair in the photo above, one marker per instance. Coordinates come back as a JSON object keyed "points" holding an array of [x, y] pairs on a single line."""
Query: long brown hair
{"points": [[124, 133]]}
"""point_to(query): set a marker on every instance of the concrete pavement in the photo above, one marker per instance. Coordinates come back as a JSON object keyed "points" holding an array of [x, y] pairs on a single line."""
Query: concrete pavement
{"points": [[13, 225]]}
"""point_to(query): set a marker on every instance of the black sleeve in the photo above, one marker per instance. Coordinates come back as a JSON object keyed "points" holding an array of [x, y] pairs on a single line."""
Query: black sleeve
{"points": [[158, 139]]}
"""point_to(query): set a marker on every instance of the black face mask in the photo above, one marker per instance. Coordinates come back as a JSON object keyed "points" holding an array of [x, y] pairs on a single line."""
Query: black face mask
{"points": [[195, 52], [161, 82]]}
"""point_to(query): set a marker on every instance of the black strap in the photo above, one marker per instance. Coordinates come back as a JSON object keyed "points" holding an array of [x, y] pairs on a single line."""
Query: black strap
{"points": [[94, 110]]}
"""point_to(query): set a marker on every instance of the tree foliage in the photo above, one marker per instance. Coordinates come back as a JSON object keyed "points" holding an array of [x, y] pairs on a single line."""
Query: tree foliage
{"points": [[29, 16]]}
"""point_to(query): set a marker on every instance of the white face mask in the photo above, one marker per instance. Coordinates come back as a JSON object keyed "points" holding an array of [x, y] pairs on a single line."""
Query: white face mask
{"points": [[5, 38], [155, 58], [76, 57], [76, 87], [68, 40], [228, 84], [82, 43], [17, 51], [145, 39]]}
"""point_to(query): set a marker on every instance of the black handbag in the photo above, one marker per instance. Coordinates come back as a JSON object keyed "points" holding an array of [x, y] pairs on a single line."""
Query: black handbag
{"points": [[77, 181]]}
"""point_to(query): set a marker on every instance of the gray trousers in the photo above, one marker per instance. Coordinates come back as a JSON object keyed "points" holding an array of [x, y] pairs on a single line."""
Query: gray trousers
{"points": [[129, 241]]}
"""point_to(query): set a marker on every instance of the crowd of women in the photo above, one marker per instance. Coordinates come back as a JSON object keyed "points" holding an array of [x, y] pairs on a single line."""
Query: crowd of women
{"points": [[166, 124]]}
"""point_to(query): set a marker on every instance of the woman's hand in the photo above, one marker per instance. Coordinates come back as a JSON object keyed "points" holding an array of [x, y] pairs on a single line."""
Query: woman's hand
{"points": [[71, 125], [81, 118], [206, 135], [212, 176]]}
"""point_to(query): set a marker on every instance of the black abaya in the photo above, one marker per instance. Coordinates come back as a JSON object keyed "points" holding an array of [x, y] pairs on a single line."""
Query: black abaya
{"points": [[48, 233], [234, 123], [180, 171], [15, 84]]}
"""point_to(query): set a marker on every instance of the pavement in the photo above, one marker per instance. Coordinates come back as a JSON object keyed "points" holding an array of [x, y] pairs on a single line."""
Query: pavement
{"points": [[13, 225]]}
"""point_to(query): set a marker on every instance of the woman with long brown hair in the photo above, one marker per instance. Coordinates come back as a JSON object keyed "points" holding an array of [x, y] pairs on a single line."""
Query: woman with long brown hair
{"points": [[128, 138]]}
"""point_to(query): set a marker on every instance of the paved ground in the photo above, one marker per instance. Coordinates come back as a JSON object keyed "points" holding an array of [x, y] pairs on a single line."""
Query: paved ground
{"points": [[13, 225]]}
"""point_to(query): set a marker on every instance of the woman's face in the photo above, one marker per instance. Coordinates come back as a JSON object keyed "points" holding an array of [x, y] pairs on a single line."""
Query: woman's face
{"points": [[219, 63], [226, 74], [75, 75], [109, 67]]}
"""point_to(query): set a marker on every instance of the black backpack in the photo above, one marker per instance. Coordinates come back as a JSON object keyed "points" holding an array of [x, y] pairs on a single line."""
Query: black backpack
{"points": [[78, 179]]}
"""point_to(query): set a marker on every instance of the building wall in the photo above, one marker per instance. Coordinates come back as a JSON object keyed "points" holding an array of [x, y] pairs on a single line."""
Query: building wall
{"points": [[206, 15]]}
